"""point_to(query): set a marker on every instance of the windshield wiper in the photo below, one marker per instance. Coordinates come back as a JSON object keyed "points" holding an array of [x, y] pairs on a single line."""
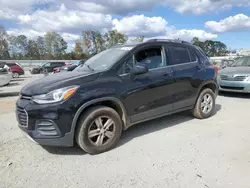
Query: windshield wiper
{"points": [[90, 68]]}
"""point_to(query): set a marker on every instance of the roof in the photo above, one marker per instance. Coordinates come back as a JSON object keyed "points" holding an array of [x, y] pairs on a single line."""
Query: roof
{"points": [[152, 40]]}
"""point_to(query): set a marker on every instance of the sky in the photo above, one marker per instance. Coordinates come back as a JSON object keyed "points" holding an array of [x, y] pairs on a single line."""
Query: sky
{"points": [[224, 20]]}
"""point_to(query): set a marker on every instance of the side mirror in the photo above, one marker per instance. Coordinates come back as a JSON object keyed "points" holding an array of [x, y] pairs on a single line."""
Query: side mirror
{"points": [[139, 69]]}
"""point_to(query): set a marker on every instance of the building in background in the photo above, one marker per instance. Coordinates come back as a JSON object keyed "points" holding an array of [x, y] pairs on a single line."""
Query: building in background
{"points": [[243, 52]]}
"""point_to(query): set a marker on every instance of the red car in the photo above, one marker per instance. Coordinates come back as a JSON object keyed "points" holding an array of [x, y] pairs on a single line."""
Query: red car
{"points": [[16, 69]]}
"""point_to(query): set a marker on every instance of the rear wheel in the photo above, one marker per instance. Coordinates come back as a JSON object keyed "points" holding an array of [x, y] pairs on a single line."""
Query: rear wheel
{"points": [[205, 104], [99, 130], [15, 75]]}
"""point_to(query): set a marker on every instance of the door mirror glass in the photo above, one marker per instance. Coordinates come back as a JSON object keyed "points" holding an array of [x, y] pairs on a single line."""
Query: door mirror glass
{"points": [[139, 69]]}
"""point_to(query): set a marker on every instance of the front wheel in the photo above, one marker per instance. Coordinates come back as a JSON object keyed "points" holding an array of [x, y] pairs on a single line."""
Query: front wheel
{"points": [[99, 130], [205, 104], [15, 75]]}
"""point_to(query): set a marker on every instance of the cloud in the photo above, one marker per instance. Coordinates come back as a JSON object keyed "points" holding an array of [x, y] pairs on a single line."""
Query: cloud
{"points": [[120, 7], [30, 33], [140, 25], [65, 20], [123, 7], [189, 34], [239, 22]]}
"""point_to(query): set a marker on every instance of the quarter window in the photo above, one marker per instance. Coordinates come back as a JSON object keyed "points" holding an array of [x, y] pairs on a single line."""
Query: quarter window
{"points": [[179, 55], [193, 56]]}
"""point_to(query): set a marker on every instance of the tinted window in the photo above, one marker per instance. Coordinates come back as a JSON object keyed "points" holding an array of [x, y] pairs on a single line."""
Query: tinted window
{"points": [[11, 64], [47, 65], [192, 55], [152, 57], [179, 55], [126, 67], [2, 64]]}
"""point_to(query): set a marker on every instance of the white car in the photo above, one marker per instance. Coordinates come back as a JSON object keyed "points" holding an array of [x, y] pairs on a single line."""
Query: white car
{"points": [[5, 77]]}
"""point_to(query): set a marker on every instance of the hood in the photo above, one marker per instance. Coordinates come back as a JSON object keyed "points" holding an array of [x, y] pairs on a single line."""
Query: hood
{"points": [[236, 70], [57, 81]]}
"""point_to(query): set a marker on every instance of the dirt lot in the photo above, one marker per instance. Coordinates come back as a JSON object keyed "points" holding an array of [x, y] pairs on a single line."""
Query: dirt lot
{"points": [[176, 151]]}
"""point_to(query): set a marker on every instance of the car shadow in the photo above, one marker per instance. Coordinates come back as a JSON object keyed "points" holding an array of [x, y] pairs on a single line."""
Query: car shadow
{"points": [[75, 150], [135, 131], [235, 95], [162, 123], [8, 94], [16, 80], [11, 84]]}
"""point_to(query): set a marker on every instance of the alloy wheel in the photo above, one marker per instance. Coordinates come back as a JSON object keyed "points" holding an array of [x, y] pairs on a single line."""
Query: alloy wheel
{"points": [[101, 131], [207, 103]]}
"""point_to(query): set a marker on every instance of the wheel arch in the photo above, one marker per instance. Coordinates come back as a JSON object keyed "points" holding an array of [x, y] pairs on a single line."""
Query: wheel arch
{"points": [[111, 102], [211, 84]]}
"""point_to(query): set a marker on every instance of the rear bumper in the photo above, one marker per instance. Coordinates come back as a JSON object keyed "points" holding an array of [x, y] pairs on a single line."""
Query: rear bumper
{"points": [[234, 86]]}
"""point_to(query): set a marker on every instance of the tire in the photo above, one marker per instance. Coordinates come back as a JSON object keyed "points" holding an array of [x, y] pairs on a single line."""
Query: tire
{"points": [[87, 124], [197, 111], [15, 75]]}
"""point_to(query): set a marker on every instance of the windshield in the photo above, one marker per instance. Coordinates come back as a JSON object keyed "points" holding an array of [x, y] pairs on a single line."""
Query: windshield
{"points": [[241, 62], [104, 60]]}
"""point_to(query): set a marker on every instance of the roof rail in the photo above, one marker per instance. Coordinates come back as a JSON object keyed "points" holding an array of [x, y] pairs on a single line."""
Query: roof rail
{"points": [[168, 40]]}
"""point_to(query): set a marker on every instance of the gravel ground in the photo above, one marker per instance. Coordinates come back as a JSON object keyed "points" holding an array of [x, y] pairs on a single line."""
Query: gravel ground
{"points": [[175, 151]]}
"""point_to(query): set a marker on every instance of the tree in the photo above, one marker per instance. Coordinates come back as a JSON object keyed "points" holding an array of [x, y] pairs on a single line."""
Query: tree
{"points": [[22, 44], [41, 47], [93, 41], [139, 39], [113, 37], [78, 50], [55, 45], [211, 48], [99, 42], [4, 46], [32, 50]]}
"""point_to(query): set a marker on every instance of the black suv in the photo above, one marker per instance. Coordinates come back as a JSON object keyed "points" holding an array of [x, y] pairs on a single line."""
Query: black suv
{"points": [[115, 89], [47, 67]]}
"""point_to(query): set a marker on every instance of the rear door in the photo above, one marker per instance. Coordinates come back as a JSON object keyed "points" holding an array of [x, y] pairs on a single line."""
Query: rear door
{"points": [[186, 68]]}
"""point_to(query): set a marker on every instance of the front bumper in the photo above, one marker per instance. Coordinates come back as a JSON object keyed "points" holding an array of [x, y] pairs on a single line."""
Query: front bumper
{"points": [[46, 124], [234, 86]]}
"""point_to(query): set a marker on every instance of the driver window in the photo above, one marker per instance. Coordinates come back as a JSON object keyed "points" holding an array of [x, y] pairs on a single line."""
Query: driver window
{"points": [[47, 65], [152, 57]]}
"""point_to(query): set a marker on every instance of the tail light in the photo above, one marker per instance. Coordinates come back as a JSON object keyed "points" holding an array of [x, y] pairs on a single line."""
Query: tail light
{"points": [[216, 70]]}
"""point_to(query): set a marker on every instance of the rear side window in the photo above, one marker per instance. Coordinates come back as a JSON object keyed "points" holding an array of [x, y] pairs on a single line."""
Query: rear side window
{"points": [[179, 55], [192, 56]]}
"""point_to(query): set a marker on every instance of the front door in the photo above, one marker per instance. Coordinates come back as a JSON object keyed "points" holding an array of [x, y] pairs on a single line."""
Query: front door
{"points": [[148, 95]]}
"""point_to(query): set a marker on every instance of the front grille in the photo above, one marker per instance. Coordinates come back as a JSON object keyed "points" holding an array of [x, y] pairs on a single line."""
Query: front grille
{"points": [[232, 88], [233, 78], [22, 117]]}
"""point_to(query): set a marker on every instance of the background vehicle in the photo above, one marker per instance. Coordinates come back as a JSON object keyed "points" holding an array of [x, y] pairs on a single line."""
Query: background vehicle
{"points": [[3, 65], [47, 67], [236, 76], [16, 69], [115, 89], [69, 67], [5, 77]]}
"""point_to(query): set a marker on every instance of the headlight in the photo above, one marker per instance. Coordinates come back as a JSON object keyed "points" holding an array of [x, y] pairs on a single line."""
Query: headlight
{"points": [[248, 79], [55, 96]]}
